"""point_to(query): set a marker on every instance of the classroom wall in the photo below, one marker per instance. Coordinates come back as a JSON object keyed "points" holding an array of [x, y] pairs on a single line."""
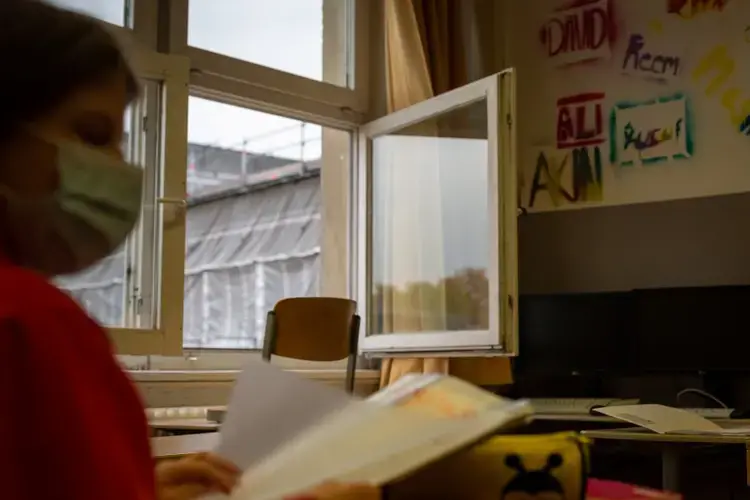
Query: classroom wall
{"points": [[668, 210], [697, 242]]}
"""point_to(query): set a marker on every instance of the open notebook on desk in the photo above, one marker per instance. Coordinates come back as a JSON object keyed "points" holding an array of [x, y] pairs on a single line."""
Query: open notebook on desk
{"points": [[290, 434], [668, 420]]}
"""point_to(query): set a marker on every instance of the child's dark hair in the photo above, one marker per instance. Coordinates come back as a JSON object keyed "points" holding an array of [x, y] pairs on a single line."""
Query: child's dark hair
{"points": [[46, 54]]}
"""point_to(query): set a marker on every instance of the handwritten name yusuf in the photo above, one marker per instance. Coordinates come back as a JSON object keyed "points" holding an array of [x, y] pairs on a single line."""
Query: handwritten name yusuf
{"points": [[653, 137]]}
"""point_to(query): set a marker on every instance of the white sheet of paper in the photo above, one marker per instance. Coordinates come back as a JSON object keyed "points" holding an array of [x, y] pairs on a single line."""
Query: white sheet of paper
{"points": [[665, 419], [290, 434], [268, 407]]}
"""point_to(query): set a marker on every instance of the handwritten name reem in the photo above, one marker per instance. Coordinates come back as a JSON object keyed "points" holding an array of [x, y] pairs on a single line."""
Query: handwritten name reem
{"points": [[643, 61]]}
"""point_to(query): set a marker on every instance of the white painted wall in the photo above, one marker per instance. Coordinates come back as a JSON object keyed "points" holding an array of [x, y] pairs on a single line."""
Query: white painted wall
{"points": [[718, 98]]}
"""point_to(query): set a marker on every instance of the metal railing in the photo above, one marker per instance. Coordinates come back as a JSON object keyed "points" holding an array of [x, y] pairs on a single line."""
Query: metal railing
{"points": [[250, 168]]}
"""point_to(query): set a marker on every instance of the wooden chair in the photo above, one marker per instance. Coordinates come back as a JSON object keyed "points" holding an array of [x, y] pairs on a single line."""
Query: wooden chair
{"points": [[314, 329]]}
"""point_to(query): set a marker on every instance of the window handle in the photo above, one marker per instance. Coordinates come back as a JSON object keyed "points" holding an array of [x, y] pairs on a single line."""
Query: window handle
{"points": [[174, 210]]}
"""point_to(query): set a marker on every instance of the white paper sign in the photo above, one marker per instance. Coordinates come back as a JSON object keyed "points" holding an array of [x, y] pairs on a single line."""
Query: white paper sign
{"points": [[578, 34], [650, 132]]}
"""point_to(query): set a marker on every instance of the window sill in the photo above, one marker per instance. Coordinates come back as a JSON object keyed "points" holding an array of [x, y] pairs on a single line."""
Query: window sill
{"points": [[181, 388], [362, 376]]}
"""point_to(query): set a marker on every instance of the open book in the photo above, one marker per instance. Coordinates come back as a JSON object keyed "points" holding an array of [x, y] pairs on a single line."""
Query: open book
{"points": [[669, 420], [290, 434]]}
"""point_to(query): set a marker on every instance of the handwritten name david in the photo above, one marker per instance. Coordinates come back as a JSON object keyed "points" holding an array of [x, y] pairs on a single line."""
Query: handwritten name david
{"points": [[578, 34]]}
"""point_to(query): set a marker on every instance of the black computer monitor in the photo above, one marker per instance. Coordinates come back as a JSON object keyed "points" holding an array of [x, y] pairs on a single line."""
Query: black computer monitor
{"points": [[701, 329], [567, 334]]}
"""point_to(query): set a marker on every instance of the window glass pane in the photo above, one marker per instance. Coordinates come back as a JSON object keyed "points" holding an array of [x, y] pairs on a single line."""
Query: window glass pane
{"points": [[100, 289], [287, 35], [119, 290], [430, 246], [111, 11], [253, 220]]}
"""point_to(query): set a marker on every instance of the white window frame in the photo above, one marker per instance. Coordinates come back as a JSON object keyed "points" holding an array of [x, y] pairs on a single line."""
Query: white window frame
{"points": [[238, 83], [145, 26], [224, 359], [244, 84], [173, 73], [228, 76], [498, 91]]}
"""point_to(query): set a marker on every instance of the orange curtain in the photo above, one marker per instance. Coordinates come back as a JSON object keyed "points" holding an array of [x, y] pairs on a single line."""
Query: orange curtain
{"points": [[425, 56]]}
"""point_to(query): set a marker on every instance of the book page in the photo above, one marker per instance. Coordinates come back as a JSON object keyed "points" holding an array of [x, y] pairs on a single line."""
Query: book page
{"points": [[437, 396], [383, 438], [270, 406]]}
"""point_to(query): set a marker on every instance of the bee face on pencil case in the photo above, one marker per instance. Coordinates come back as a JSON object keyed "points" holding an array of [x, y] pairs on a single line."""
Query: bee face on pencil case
{"points": [[506, 467]]}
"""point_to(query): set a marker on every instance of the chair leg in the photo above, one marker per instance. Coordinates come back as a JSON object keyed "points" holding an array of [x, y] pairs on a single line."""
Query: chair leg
{"points": [[351, 365], [351, 371], [269, 338]]}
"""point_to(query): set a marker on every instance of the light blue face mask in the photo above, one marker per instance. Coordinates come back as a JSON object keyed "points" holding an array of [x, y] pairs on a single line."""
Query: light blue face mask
{"points": [[100, 190], [96, 206]]}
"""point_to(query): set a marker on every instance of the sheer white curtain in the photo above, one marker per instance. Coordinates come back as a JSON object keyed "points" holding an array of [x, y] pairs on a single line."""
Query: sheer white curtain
{"points": [[409, 82], [431, 47]]}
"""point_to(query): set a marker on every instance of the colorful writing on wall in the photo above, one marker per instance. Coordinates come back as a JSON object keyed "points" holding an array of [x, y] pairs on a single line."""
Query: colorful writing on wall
{"points": [[580, 120], [652, 65], [650, 131], [570, 176], [720, 66], [688, 9], [580, 32]]}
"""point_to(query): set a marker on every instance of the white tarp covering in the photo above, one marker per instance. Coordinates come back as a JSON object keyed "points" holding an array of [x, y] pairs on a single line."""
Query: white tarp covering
{"points": [[243, 254]]}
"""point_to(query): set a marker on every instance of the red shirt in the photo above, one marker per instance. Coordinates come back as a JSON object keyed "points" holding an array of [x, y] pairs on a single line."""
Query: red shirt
{"points": [[71, 423]]}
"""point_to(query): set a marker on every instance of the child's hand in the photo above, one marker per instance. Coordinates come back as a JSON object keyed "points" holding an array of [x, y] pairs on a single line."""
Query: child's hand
{"points": [[194, 476], [336, 491]]}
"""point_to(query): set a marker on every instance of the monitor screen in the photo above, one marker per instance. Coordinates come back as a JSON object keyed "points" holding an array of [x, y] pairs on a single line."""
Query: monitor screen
{"points": [[691, 329], [566, 334]]}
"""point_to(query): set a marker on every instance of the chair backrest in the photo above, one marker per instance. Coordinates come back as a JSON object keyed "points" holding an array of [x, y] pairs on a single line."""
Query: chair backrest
{"points": [[314, 328]]}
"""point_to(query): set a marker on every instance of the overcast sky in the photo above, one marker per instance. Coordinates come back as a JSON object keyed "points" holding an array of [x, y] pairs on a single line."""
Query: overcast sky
{"points": [[282, 34]]}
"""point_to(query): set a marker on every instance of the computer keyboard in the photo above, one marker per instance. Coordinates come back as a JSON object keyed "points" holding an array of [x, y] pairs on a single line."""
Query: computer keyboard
{"points": [[575, 406], [712, 412]]}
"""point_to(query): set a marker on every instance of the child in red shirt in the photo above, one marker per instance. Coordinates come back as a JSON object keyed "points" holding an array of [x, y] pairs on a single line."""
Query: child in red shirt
{"points": [[71, 423]]}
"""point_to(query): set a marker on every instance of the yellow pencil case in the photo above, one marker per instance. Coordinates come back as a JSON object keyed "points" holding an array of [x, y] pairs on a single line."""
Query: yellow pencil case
{"points": [[505, 467]]}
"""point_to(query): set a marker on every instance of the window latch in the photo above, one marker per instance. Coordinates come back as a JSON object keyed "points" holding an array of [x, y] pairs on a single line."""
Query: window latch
{"points": [[174, 210]]}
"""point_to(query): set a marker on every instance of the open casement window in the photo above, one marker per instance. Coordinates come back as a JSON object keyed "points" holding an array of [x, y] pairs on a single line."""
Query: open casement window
{"points": [[137, 291], [436, 224]]}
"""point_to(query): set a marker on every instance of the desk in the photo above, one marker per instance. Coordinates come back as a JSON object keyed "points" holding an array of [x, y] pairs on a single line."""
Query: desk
{"points": [[575, 417], [184, 425], [178, 446], [670, 446]]}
